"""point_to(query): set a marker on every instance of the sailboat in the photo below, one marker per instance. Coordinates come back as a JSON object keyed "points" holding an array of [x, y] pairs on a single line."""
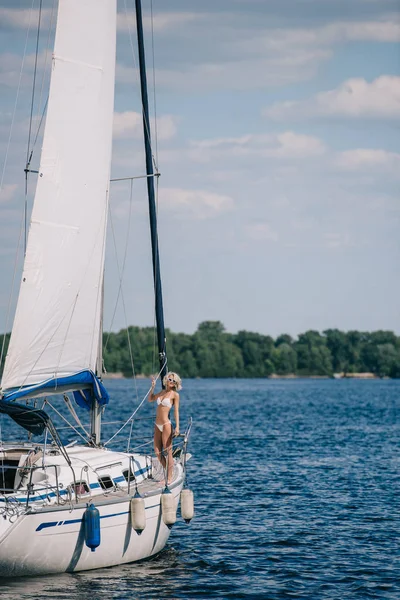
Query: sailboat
{"points": [[75, 507]]}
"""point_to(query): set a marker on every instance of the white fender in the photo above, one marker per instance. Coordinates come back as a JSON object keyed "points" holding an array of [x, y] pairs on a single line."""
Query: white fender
{"points": [[168, 508], [138, 514], [187, 505]]}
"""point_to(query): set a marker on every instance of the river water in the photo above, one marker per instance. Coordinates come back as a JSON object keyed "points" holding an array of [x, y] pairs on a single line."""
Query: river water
{"points": [[297, 494]]}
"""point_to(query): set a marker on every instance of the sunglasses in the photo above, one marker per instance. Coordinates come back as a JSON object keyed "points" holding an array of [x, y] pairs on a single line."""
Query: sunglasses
{"points": [[171, 380]]}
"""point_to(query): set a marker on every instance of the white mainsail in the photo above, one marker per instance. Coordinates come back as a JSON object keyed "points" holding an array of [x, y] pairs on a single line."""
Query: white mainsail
{"points": [[56, 329]]}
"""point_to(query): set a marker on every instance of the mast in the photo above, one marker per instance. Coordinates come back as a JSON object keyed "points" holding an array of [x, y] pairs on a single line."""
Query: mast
{"points": [[151, 197]]}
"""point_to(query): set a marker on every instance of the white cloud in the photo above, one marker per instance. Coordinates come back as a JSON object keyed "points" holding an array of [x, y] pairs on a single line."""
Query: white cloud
{"points": [[19, 18], [353, 98], [196, 204], [240, 53], [242, 56], [7, 192], [385, 30], [365, 158], [376, 31], [240, 73], [286, 41], [160, 22], [294, 145], [129, 124], [261, 232], [337, 240], [285, 145], [11, 66], [383, 202]]}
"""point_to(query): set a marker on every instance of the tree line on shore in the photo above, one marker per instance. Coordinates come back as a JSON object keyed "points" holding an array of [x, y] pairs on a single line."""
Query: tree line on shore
{"points": [[213, 352]]}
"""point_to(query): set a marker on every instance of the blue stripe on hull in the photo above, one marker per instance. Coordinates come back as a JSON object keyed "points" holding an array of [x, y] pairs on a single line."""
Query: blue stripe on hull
{"points": [[93, 486], [72, 521]]}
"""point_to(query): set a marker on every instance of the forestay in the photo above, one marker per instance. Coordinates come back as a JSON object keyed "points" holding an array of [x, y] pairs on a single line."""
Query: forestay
{"points": [[63, 270]]}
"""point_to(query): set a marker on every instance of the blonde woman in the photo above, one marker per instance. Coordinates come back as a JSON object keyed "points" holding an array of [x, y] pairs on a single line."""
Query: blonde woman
{"points": [[166, 399]]}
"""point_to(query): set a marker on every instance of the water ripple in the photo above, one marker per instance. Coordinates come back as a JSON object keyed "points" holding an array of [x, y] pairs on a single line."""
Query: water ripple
{"points": [[302, 503]]}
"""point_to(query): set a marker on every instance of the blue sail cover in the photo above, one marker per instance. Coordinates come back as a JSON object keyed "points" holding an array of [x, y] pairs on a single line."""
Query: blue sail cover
{"points": [[85, 385]]}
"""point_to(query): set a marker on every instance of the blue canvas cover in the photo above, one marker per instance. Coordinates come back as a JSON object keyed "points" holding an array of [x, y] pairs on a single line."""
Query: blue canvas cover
{"points": [[85, 385]]}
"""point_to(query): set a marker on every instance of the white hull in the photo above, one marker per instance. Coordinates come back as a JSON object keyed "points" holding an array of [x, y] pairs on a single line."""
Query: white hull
{"points": [[42, 534], [53, 541]]}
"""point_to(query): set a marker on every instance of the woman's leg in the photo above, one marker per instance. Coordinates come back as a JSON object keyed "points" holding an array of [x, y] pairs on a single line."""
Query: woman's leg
{"points": [[158, 445], [167, 445]]}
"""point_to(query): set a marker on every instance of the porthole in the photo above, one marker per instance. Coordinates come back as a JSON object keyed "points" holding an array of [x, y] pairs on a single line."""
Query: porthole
{"points": [[106, 482], [80, 488], [128, 476]]}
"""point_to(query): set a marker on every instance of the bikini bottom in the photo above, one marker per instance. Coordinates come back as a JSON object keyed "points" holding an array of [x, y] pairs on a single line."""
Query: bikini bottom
{"points": [[161, 427]]}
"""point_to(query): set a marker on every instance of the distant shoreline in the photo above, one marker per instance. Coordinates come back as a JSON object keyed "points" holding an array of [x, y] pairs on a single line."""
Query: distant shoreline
{"points": [[120, 375]]}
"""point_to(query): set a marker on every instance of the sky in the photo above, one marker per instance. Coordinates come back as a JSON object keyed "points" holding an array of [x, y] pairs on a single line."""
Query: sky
{"points": [[278, 145]]}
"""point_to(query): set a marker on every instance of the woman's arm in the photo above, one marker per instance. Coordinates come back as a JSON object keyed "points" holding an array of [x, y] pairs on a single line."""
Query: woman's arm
{"points": [[176, 409], [152, 396]]}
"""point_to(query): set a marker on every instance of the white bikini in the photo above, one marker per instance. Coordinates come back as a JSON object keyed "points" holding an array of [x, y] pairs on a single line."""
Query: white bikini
{"points": [[163, 402]]}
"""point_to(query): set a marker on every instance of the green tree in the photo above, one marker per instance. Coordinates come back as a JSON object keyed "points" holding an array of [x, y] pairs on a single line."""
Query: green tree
{"points": [[313, 356], [215, 353], [337, 344], [284, 338], [285, 359], [256, 351]]}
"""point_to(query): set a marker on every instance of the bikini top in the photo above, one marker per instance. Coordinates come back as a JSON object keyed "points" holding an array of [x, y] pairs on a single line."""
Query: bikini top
{"points": [[164, 402]]}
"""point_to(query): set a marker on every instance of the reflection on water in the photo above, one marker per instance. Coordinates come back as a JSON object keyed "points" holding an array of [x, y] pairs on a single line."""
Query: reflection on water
{"points": [[148, 578]]}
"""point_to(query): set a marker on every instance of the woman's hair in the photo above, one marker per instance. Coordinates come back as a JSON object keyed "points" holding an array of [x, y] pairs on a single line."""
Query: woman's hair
{"points": [[175, 377]]}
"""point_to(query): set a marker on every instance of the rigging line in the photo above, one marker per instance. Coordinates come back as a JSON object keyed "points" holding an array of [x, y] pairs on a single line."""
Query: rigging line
{"points": [[67, 422], [155, 316], [154, 82], [12, 289], [120, 291], [134, 412], [28, 154], [135, 177], [154, 332], [100, 294], [147, 125], [142, 445], [2, 181], [154, 321], [17, 96], [44, 447], [34, 81], [43, 76], [40, 124], [120, 274], [120, 271], [74, 413], [128, 445]]}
